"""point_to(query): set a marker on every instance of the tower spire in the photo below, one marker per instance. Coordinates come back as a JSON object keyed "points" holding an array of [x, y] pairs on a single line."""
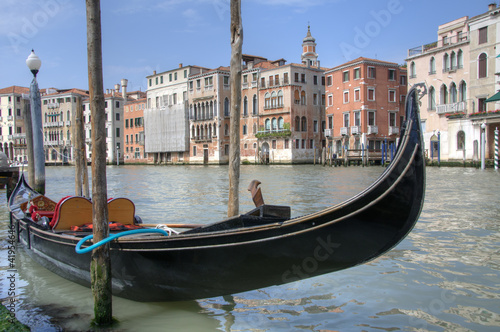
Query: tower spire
{"points": [[309, 55]]}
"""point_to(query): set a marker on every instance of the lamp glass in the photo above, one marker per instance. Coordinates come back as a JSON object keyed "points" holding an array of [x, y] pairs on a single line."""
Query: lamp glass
{"points": [[33, 62]]}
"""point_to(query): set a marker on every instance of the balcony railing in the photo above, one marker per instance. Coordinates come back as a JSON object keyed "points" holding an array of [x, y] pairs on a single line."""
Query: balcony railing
{"points": [[461, 106], [372, 130], [458, 38], [393, 130], [355, 130], [344, 131], [328, 132]]}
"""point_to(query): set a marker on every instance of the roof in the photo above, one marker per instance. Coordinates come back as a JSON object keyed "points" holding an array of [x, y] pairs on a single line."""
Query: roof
{"points": [[363, 59], [14, 90]]}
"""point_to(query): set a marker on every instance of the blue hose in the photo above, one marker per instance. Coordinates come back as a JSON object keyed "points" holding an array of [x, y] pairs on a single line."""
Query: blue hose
{"points": [[111, 238]]}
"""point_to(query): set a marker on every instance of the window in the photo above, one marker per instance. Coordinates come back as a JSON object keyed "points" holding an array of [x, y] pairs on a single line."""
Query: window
{"points": [[346, 97], [303, 123], [117, 117], [462, 91], [296, 77], [315, 80], [432, 98], [357, 119], [328, 80], [315, 126], [483, 35], [226, 106], [273, 144], [443, 95], [117, 104], [402, 79], [303, 98], [126, 123], [413, 70], [194, 151], [330, 100], [346, 119], [392, 119], [432, 66], [287, 143], [267, 100], [303, 78], [460, 140], [254, 105], [371, 118], [453, 93], [245, 106], [117, 132], [280, 123], [371, 94], [357, 73], [267, 125], [357, 96], [345, 76], [245, 131], [460, 59], [371, 72], [277, 79], [482, 67], [391, 74], [330, 122], [274, 124], [392, 96]]}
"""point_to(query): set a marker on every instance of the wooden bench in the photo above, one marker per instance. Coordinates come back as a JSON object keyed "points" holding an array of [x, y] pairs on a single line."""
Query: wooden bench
{"points": [[121, 210], [72, 211]]}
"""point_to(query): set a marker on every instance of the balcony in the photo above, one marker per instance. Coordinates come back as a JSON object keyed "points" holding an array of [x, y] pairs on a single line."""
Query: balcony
{"points": [[431, 47], [393, 130], [461, 106], [328, 132], [53, 105], [355, 130], [344, 131], [372, 130]]}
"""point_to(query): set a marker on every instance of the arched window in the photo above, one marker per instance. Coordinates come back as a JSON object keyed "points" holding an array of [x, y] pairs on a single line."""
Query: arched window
{"points": [[413, 70], [211, 109], [303, 98], [193, 132], [191, 116], [67, 117], [195, 112], [303, 123], [215, 130], [280, 98], [297, 97], [255, 128], [460, 59], [226, 130], [297, 123], [443, 95], [280, 123], [254, 105], [226, 106], [432, 66], [482, 66], [453, 61], [197, 132], [268, 125], [274, 99], [460, 140], [462, 91], [453, 93], [209, 131], [215, 108], [245, 130], [245, 106], [67, 135], [432, 98], [275, 124], [267, 100], [446, 62]]}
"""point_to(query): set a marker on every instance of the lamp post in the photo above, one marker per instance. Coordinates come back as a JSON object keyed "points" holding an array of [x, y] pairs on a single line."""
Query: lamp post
{"points": [[483, 145], [34, 63], [117, 154]]}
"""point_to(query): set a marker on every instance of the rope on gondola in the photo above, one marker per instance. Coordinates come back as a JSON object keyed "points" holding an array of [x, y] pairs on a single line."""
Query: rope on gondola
{"points": [[111, 238]]}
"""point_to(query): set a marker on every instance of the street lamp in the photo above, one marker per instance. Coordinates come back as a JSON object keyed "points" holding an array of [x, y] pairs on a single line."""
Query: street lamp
{"points": [[117, 154], [34, 63]]}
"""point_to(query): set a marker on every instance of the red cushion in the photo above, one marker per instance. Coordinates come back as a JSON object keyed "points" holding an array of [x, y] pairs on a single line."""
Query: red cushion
{"points": [[56, 211]]}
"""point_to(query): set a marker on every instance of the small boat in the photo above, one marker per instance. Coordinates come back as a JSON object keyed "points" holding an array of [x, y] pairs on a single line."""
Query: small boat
{"points": [[261, 248]]}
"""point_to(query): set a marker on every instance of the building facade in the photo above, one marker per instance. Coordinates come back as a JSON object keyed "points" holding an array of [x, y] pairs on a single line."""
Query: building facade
{"points": [[166, 117], [364, 104], [14, 101], [133, 114], [58, 111], [459, 70]]}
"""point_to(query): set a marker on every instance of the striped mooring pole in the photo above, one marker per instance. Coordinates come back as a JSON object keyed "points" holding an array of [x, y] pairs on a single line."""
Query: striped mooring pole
{"points": [[496, 148]]}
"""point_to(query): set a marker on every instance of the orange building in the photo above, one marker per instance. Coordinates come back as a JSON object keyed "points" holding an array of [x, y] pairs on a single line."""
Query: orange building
{"points": [[134, 132], [364, 104]]}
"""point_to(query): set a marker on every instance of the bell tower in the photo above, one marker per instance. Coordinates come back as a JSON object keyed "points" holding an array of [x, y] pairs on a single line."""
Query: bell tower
{"points": [[309, 56]]}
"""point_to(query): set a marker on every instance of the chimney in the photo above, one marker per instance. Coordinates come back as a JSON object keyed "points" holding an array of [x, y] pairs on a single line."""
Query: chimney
{"points": [[492, 6], [117, 88], [154, 72], [180, 65], [124, 90]]}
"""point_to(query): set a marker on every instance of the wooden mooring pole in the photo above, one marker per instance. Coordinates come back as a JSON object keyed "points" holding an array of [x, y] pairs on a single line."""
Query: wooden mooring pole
{"points": [[100, 265]]}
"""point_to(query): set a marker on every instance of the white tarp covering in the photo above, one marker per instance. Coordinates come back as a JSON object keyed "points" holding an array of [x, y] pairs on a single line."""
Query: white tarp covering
{"points": [[166, 129]]}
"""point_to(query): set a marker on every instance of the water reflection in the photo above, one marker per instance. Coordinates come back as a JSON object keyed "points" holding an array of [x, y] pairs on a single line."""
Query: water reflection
{"points": [[443, 276]]}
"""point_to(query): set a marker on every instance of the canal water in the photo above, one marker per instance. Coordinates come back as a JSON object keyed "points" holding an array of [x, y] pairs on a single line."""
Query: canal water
{"points": [[443, 276]]}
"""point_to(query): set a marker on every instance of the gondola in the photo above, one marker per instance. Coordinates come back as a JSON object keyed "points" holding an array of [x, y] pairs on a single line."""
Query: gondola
{"points": [[261, 248]]}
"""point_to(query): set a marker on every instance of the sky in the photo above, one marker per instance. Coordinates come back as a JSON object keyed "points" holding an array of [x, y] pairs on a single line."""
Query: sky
{"points": [[140, 36]]}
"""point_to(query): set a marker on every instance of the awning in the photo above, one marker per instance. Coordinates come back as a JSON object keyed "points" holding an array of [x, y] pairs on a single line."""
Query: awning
{"points": [[495, 97]]}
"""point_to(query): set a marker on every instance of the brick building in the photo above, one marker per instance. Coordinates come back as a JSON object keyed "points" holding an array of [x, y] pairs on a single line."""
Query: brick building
{"points": [[133, 116], [364, 104]]}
